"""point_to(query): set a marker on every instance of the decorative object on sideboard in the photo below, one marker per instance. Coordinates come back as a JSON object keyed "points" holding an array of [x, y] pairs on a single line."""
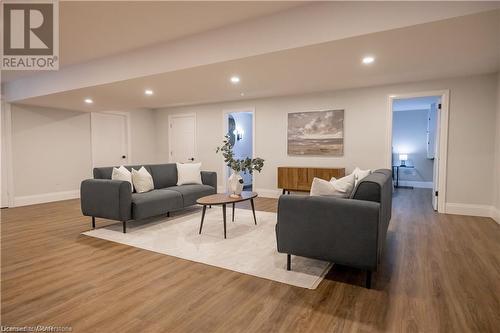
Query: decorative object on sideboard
{"points": [[246, 165], [316, 133]]}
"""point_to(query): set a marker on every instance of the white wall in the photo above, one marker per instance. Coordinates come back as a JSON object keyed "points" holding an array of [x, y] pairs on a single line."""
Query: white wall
{"points": [[51, 151], [471, 132], [409, 134], [51, 148], [143, 137]]}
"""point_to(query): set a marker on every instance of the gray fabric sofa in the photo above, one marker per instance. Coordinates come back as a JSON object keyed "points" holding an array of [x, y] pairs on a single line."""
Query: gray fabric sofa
{"points": [[113, 199], [348, 232]]}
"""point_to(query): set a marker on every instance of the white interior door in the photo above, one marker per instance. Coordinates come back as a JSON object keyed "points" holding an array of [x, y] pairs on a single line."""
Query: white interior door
{"points": [[109, 139], [182, 138], [435, 173]]}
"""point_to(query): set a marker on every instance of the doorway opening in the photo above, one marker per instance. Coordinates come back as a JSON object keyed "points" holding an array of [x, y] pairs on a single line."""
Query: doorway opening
{"points": [[415, 143], [239, 126]]}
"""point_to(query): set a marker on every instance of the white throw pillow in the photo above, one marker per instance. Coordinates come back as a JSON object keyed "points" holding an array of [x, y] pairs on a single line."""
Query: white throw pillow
{"points": [[122, 174], [188, 173], [341, 188], [360, 174], [143, 182], [345, 184]]}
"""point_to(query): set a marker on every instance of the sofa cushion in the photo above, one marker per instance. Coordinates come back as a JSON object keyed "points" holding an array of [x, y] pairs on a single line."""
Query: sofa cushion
{"points": [[122, 173], [190, 193], [340, 188], [188, 173], [106, 172], [142, 179], [164, 175], [155, 202]]}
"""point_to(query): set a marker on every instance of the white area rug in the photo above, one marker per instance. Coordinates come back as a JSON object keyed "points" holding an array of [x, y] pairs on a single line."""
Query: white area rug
{"points": [[249, 248]]}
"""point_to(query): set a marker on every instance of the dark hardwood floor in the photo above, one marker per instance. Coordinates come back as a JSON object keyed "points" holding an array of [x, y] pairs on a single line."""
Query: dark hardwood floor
{"points": [[439, 273]]}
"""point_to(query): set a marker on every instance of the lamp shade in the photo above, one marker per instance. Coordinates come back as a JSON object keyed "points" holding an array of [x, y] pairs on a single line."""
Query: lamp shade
{"points": [[403, 157]]}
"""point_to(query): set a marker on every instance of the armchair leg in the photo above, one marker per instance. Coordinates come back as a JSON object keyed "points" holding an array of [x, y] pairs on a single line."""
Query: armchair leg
{"points": [[93, 222], [368, 279], [288, 262], [124, 227]]}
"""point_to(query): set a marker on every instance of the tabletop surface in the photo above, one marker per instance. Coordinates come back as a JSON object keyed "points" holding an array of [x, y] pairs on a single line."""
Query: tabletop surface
{"points": [[222, 198]]}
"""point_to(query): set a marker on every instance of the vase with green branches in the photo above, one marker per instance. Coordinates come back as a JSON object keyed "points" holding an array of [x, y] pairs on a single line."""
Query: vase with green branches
{"points": [[246, 165]]}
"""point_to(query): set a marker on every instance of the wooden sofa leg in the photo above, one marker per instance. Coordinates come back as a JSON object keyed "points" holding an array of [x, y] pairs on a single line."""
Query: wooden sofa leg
{"points": [[124, 227], [168, 214], [93, 222], [368, 279], [288, 262]]}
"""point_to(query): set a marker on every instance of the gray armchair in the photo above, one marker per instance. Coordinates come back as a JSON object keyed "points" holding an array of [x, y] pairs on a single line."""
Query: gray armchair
{"points": [[349, 232]]}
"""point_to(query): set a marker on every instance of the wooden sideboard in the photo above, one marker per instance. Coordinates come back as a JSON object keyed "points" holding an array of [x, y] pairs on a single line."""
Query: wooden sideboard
{"points": [[300, 179]]}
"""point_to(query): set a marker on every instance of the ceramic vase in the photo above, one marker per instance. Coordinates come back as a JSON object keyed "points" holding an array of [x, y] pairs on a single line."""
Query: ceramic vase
{"points": [[235, 184]]}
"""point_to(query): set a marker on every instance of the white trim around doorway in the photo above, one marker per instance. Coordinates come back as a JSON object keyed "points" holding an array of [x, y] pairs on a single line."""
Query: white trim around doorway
{"points": [[443, 137], [6, 123]]}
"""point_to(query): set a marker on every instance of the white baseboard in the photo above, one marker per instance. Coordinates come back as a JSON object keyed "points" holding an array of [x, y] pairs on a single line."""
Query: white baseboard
{"points": [[415, 184], [45, 197], [495, 214], [468, 209]]}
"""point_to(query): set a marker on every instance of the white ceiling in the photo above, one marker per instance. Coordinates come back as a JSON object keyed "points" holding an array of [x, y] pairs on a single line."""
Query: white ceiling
{"points": [[421, 52], [112, 27]]}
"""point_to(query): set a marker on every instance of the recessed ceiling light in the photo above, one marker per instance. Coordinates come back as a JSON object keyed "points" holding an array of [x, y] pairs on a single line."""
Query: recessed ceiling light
{"points": [[368, 60], [88, 100], [235, 79], [148, 92], [242, 94]]}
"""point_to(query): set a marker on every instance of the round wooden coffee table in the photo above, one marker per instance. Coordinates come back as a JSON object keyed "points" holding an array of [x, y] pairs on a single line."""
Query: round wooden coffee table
{"points": [[224, 199]]}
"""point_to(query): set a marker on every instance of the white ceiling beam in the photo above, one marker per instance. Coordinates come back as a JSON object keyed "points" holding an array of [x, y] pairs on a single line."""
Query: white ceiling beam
{"points": [[298, 27]]}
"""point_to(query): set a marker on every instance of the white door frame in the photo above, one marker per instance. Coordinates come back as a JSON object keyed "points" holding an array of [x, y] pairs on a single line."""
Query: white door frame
{"points": [[225, 112], [443, 137], [7, 136], [182, 115], [128, 132]]}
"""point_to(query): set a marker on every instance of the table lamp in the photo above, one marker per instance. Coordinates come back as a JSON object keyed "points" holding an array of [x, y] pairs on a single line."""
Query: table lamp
{"points": [[403, 158]]}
